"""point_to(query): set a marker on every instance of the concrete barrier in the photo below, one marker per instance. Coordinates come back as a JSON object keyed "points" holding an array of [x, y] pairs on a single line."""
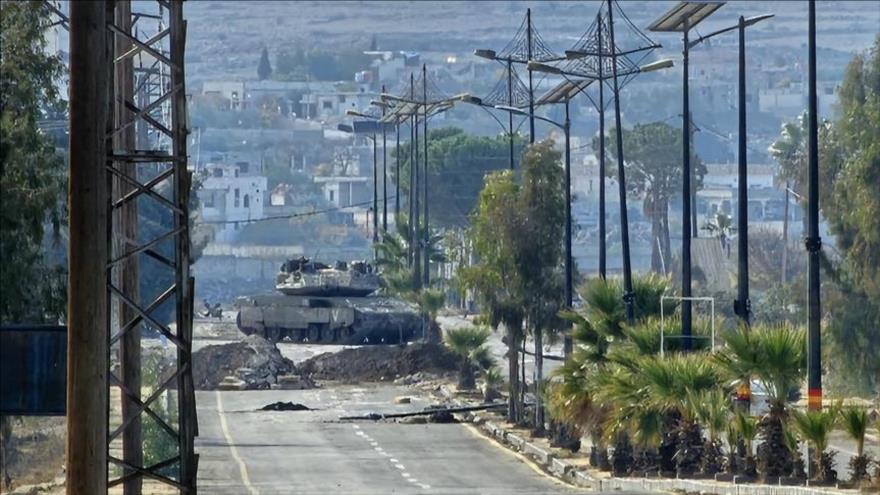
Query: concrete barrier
{"points": [[540, 454]]}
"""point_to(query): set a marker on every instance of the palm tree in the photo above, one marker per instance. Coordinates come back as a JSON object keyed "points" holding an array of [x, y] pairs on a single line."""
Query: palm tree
{"points": [[792, 443], [492, 380], [468, 343], [855, 422], [776, 356], [747, 430], [712, 409], [815, 426]]}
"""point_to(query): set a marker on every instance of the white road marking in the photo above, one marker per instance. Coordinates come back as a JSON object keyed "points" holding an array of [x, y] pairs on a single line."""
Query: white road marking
{"points": [[242, 469], [393, 460], [406, 475], [400, 466]]}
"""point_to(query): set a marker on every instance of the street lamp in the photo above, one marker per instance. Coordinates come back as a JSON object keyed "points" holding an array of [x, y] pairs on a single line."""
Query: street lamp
{"points": [[742, 304], [653, 66], [473, 100], [813, 241], [534, 50], [351, 129], [386, 106], [594, 47], [682, 18]]}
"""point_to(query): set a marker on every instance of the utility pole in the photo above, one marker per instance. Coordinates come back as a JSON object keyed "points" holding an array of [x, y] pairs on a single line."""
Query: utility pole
{"points": [[509, 114], [413, 145], [621, 177], [414, 170], [126, 220], [601, 108], [813, 241], [88, 253], [742, 305], [686, 200], [426, 275], [568, 345], [397, 172], [531, 88], [384, 174]]}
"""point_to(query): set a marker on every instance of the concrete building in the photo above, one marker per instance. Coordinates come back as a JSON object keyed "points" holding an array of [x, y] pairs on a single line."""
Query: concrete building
{"points": [[231, 196], [345, 191], [333, 104]]}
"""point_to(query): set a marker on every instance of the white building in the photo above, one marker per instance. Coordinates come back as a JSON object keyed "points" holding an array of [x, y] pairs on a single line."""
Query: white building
{"points": [[329, 104], [231, 196]]}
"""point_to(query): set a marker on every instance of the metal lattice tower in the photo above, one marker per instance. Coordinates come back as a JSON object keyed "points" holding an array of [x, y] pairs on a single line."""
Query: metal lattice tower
{"points": [[147, 162], [148, 240]]}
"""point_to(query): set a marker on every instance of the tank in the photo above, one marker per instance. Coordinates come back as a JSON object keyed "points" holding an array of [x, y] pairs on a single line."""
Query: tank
{"points": [[322, 304]]}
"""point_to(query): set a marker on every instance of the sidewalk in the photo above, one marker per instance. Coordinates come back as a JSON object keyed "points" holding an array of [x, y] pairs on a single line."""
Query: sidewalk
{"points": [[574, 468]]}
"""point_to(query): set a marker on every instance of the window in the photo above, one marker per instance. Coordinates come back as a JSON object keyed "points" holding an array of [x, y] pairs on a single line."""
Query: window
{"points": [[332, 195], [237, 194], [218, 172], [247, 201], [326, 104], [208, 200]]}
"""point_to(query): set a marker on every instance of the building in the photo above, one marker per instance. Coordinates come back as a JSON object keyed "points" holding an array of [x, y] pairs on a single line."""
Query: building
{"points": [[345, 191], [231, 196], [333, 104]]}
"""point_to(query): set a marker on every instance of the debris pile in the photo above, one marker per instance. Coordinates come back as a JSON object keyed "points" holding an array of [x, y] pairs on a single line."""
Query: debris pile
{"points": [[284, 406], [253, 363], [381, 363]]}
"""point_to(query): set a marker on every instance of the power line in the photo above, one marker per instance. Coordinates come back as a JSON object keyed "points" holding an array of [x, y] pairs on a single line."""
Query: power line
{"points": [[292, 215]]}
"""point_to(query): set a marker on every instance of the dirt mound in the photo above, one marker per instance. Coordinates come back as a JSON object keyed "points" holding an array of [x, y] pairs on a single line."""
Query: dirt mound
{"points": [[380, 363], [254, 360]]}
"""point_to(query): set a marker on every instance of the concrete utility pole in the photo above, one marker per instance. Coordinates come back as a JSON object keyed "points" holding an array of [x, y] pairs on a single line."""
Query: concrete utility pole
{"points": [[126, 228], [87, 301]]}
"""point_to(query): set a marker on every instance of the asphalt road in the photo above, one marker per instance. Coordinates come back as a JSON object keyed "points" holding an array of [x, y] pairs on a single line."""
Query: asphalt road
{"points": [[244, 451]]}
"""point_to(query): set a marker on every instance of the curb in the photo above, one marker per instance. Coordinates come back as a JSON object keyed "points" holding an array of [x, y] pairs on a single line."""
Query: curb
{"points": [[569, 473]]}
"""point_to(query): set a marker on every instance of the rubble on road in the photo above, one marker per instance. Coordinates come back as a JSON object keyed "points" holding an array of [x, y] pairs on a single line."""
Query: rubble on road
{"points": [[252, 363], [285, 406], [381, 363]]}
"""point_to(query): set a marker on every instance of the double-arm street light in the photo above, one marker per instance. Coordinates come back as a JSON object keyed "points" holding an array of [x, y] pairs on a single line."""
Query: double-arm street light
{"points": [[742, 304], [372, 137], [682, 18], [660, 64], [562, 93], [522, 51], [473, 100], [421, 108]]}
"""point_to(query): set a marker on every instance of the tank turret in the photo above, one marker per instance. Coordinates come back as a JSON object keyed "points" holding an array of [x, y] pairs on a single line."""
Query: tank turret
{"points": [[303, 277]]}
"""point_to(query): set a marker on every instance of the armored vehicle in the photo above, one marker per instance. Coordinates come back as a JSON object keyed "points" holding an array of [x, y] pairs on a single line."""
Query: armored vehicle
{"points": [[317, 303]]}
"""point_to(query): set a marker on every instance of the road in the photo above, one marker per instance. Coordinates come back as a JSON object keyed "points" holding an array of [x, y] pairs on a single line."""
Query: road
{"points": [[244, 451]]}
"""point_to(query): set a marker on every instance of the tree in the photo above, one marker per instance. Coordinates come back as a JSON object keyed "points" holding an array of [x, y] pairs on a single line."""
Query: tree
{"points": [[33, 173], [457, 163], [469, 344], [494, 278], [538, 251], [654, 173], [264, 68], [855, 422], [776, 357], [815, 426]]}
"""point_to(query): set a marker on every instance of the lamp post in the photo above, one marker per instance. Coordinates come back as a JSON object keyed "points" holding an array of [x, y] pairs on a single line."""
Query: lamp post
{"points": [[742, 304], [531, 46], [587, 78], [424, 109], [682, 18], [384, 175], [813, 242]]}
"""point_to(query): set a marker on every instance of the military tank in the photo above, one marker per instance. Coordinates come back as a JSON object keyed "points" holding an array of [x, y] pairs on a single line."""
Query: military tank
{"points": [[322, 304]]}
